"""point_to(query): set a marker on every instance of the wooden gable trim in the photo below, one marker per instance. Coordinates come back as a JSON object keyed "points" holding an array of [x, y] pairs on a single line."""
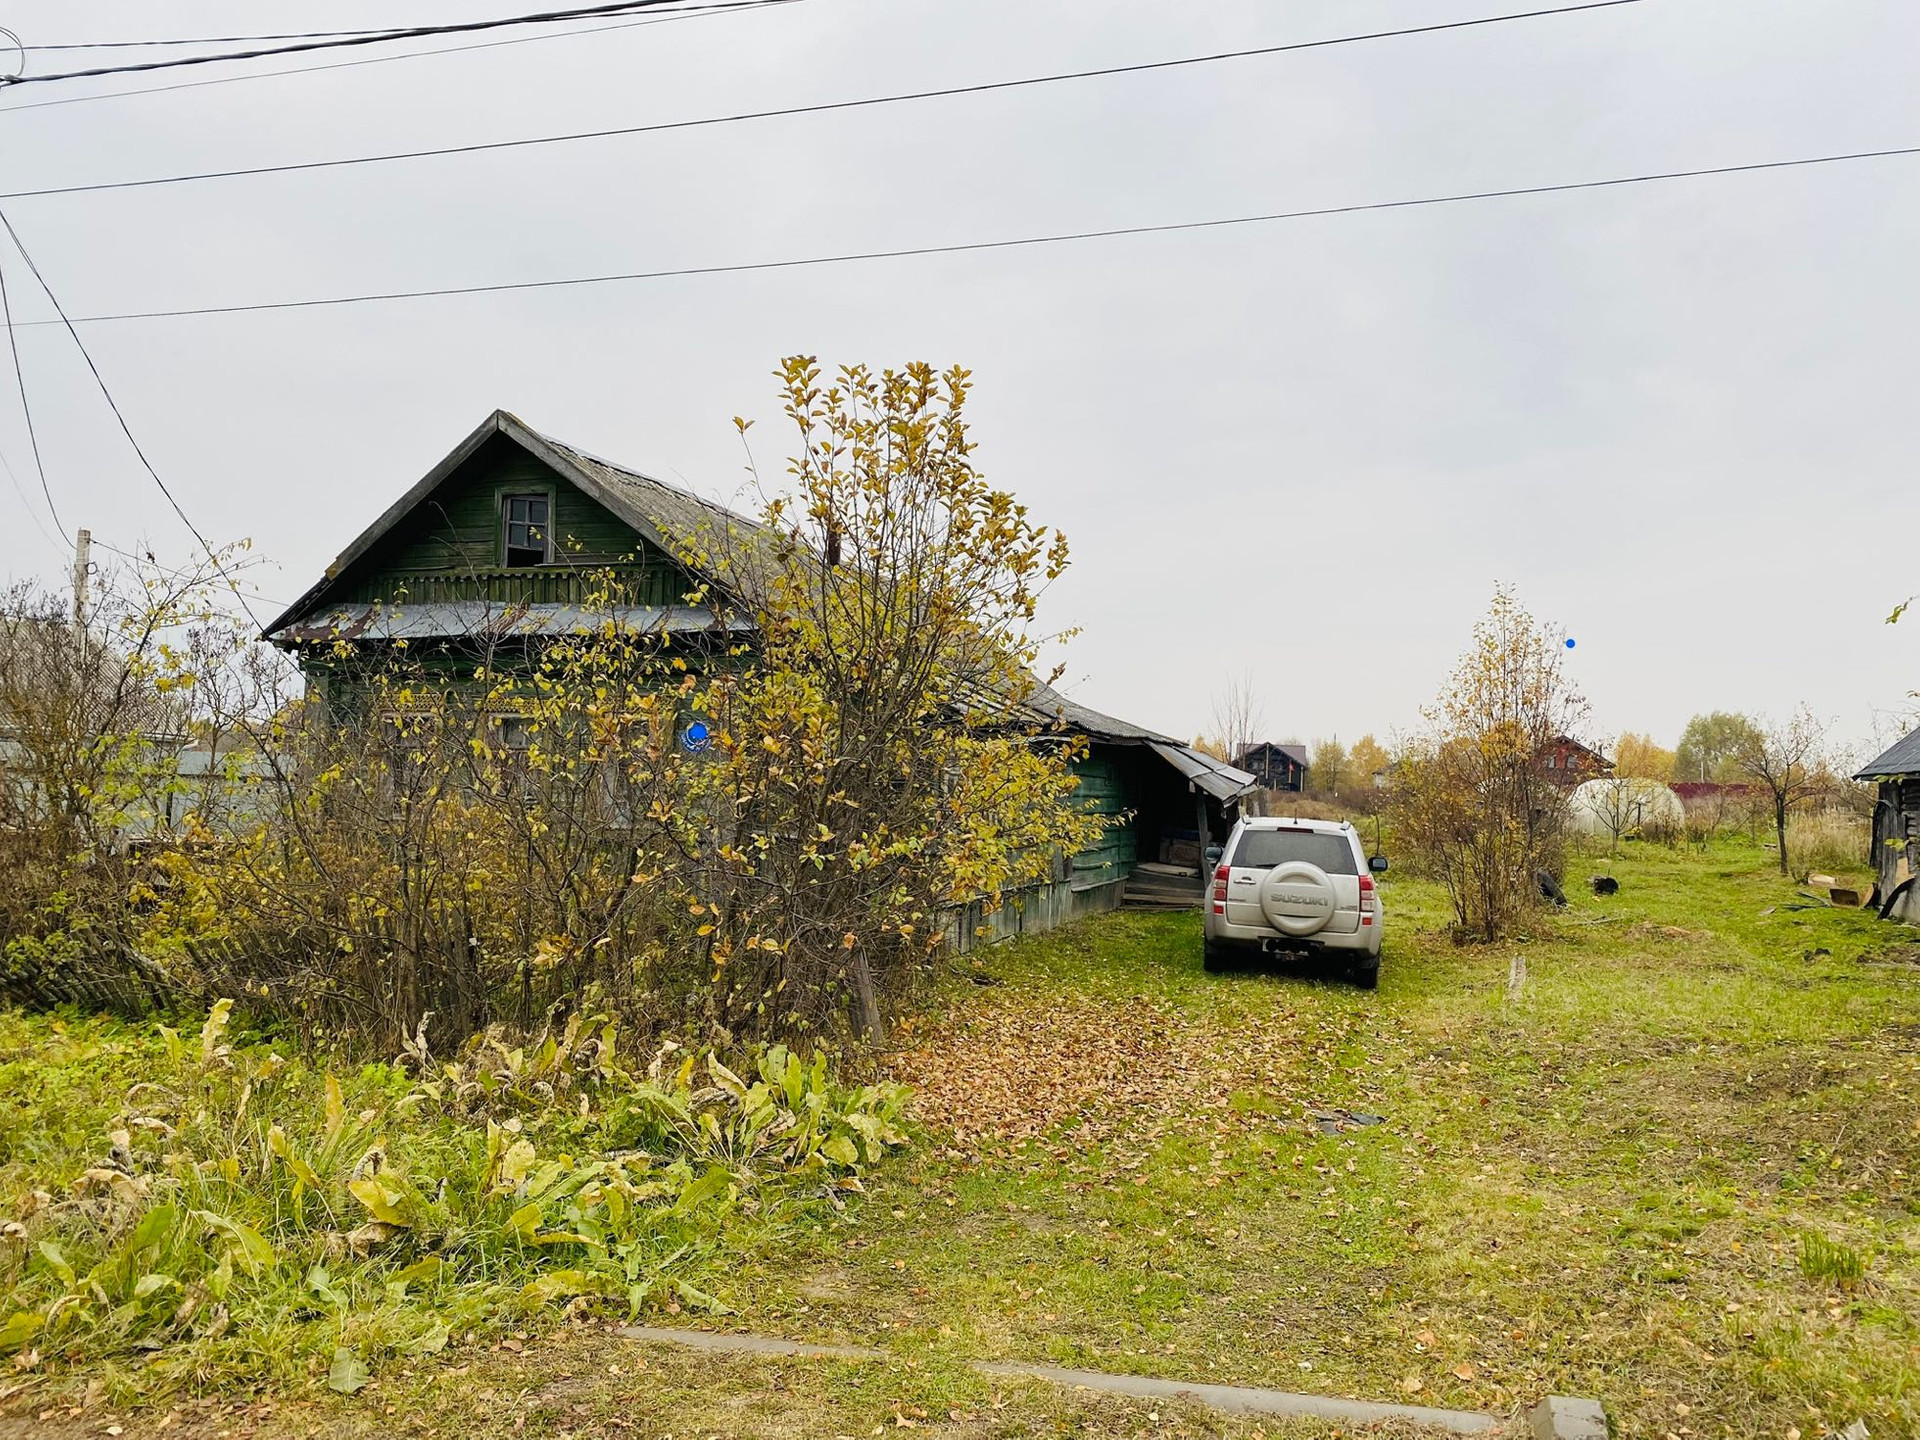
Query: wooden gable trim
{"points": [[498, 423], [535, 444], [389, 518]]}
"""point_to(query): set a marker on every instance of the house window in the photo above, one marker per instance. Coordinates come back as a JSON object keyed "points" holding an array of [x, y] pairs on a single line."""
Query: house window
{"points": [[515, 733], [525, 521], [1553, 761]]}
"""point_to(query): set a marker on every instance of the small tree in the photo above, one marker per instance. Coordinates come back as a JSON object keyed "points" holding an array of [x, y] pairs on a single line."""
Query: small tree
{"points": [[1366, 759], [1469, 797], [97, 700], [1624, 804], [1238, 717], [1784, 760], [1330, 767], [1641, 758], [876, 761], [1709, 744], [481, 833]]}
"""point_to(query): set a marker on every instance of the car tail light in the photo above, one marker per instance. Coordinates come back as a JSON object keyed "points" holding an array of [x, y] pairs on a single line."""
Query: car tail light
{"points": [[1220, 891], [1367, 902]]}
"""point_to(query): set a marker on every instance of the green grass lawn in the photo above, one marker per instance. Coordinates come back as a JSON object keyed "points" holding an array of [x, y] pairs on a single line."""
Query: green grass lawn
{"points": [[1635, 1156], [1595, 1181]]}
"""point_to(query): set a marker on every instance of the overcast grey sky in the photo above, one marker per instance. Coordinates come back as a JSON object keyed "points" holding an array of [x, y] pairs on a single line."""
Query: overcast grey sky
{"points": [[1679, 418]]}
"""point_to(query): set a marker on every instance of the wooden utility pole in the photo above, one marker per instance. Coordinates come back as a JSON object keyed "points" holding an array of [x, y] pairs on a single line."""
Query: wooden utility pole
{"points": [[82, 562]]}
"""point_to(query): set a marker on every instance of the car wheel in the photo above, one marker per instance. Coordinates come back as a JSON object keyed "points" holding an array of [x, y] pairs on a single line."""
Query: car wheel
{"points": [[1367, 977], [1215, 959]]}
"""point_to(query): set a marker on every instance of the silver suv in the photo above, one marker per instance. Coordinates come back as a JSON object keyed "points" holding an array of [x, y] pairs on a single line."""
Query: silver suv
{"points": [[1294, 887]]}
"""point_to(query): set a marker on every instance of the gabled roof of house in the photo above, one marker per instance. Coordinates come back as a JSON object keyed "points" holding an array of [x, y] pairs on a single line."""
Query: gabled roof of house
{"points": [[671, 518], [1901, 758], [664, 514], [1045, 706], [1573, 743], [1294, 752]]}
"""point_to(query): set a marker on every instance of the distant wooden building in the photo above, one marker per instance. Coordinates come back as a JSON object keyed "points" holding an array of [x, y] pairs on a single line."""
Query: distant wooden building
{"points": [[1276, 767], [499, 547], [1569, 763], [1896, 829]]}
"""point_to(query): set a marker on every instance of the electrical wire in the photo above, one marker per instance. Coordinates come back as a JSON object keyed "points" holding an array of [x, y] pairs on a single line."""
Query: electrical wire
{"points": [[825, 107], [27, 505], [125, 429], [971, 246], [208, 40], [383, 37], [297, 70], [26, 408], [146, 558]]}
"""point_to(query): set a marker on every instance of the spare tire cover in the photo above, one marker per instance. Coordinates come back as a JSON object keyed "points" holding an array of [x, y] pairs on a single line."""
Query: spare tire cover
{"points": [[1297, 898]]}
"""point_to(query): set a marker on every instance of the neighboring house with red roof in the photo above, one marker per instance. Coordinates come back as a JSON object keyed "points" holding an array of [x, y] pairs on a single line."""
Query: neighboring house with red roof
{"points": [[1569, 764]]}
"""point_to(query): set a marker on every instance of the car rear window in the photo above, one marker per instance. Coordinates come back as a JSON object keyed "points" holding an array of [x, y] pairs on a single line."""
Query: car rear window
{"points": [[1264, 849]]}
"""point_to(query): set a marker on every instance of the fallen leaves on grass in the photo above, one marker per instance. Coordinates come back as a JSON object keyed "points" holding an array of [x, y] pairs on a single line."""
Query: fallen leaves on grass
{"points": [[1013, 1071], [1016, 1072]]}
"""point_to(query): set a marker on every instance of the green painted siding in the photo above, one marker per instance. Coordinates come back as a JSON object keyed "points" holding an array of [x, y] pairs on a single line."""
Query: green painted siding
{"points": [[450, 547], [1103, 789]]}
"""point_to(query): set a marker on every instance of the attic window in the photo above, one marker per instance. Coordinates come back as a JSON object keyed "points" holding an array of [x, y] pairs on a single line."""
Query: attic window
{"points": [[525, 521]]}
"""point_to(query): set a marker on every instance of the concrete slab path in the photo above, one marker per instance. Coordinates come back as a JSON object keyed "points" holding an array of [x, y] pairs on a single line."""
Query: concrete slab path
{"points": [[1233, 1399]]}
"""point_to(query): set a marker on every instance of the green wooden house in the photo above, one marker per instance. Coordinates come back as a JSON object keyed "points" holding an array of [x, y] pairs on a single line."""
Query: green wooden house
{"points": [[500, 545]]}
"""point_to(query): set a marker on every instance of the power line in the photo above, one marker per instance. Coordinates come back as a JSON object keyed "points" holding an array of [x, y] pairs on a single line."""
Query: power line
{"points": [[206, 40], [389, 59], [825, 107], [125, 429], [27, 505], [382, 37], [147, 559], [965, 247], [20, 379]]}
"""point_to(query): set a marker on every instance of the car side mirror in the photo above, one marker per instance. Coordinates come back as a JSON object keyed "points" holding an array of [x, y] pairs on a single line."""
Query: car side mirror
{"points": [[1377, 864], [1214, 852]]}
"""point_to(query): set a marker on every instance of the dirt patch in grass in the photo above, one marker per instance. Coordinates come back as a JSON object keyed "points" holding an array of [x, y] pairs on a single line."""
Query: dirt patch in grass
{"points": [[1906, 957]]}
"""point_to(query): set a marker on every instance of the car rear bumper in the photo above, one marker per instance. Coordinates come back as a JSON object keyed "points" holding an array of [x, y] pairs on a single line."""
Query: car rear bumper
{"points": [[1362, 942]]}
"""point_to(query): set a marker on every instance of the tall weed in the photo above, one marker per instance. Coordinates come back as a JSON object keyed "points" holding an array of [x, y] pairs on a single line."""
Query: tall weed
{"points": [[242, 1214], [1829, 840]]}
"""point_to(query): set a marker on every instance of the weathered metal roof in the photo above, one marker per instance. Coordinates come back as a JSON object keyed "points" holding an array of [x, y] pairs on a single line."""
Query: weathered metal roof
{"points": [[665, 514], [1045, 705], [1903, 758], [480, 619], [1216, 777], [672, 518], [1293, 750], [672, 515]]}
